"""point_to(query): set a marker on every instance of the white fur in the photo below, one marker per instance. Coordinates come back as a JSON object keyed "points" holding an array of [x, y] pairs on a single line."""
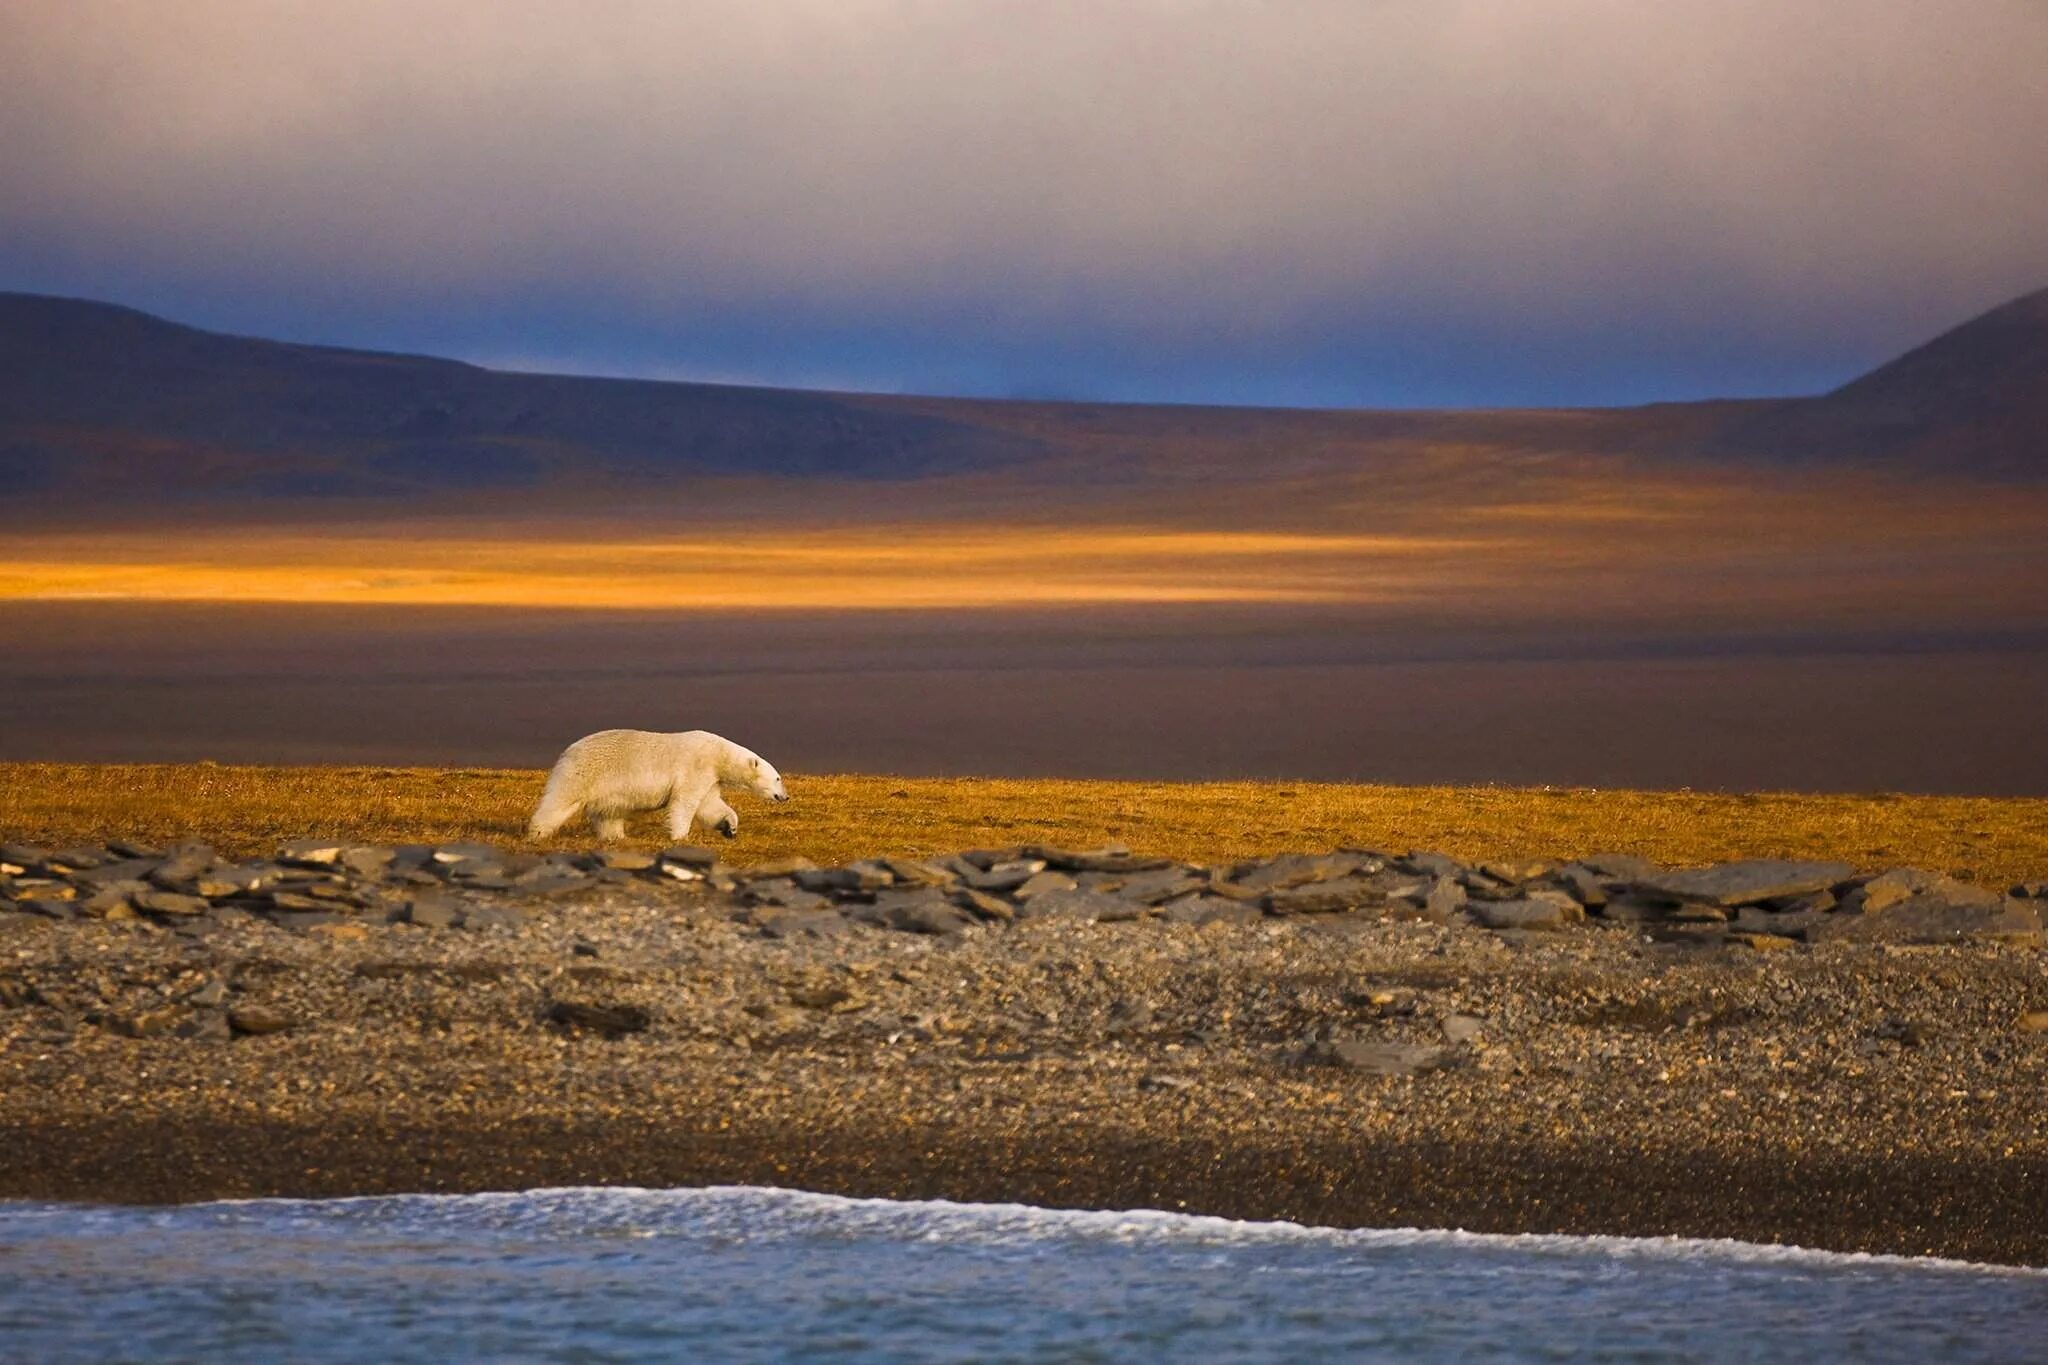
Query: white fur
{"points": [[612, 774]]}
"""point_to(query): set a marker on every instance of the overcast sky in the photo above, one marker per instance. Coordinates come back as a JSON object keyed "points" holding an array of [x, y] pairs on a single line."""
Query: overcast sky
{"points": [[1301, 201]]}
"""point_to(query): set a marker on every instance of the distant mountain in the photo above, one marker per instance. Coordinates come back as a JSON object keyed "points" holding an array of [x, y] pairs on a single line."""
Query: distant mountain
{"points": [[1972, 401], [145, 402], [104, 406]]}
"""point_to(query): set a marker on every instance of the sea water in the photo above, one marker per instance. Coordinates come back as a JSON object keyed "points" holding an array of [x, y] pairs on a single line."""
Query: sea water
{"points": [[700, 1274]]}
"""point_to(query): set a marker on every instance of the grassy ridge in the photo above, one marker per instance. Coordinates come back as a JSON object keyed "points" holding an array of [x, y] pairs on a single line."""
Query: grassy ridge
{"points": [[248, 810]]}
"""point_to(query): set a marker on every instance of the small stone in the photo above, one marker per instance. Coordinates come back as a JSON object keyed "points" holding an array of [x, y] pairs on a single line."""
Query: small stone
{"points": [[2034, 1021], [495, 917], [610, 1021], [831, 879], [1619, 867], [1429, 864], [1161, 1082], [1764, 943], [121, 870], [147, 1023], [1040, 883], [785, 893], [927, 917], [1519, 914], [778, 867], [129, 848], [1445, 899], [310, 852], [1516, 871], [1583, 884], [802, 923], [1377, 1059], [1460, 1029], [1004, 876], [366, 860], [171, 903], [433, 912], [909, 872], [204, 1026], [210, 994], [982, 904], [180, 872], [2029, 891], [625, 860], [834, 996], [111, 898], [255, 1020]]}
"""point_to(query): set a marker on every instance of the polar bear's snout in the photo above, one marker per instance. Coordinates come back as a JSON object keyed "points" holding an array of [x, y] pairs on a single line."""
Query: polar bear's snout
{"points": [[767, 782]]}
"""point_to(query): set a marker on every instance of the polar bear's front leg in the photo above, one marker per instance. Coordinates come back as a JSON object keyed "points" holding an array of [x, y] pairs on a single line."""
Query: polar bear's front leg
{"points": [[684, 803], [608, 828], [715, 814]]}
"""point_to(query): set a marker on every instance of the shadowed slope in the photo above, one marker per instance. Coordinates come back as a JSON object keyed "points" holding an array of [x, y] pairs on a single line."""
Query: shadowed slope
{"points": [[1972, 401]]}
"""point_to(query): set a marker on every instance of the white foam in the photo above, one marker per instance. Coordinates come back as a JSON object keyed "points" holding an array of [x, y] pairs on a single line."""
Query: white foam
{"points": [[747, 1212]]}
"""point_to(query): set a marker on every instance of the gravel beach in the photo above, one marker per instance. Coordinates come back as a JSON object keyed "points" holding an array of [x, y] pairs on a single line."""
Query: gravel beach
{"points": [[1773, 1051]]}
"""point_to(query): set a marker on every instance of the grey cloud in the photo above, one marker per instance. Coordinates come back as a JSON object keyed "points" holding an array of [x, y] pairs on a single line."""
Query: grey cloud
{"points": [[1147, 172]]}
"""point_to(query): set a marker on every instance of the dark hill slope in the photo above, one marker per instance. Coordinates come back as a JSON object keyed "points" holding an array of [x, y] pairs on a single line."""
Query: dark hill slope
{"points": [[82, 382], [1973, 401]]}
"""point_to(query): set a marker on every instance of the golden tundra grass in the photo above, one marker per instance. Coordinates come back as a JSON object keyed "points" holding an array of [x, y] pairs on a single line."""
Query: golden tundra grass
{"points": [[245, 811]]}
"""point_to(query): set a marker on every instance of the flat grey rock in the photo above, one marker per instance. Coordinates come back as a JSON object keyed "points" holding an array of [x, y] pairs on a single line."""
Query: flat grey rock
{"points": [[1748, 882]]}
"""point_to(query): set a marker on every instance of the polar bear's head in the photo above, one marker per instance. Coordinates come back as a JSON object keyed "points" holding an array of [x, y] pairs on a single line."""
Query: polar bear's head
{"points": [[756, 774]]}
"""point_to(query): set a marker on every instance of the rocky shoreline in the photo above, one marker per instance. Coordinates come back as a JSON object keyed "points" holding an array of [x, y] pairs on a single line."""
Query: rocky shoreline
{"points": [[1778, 1051]]}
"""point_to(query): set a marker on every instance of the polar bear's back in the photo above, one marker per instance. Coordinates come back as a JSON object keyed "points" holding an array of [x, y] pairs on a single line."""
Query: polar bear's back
{"points": [[633, 769]]}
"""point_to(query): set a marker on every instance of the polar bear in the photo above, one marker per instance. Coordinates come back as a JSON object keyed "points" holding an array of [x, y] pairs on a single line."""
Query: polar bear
{"points": [[612, 774]]}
